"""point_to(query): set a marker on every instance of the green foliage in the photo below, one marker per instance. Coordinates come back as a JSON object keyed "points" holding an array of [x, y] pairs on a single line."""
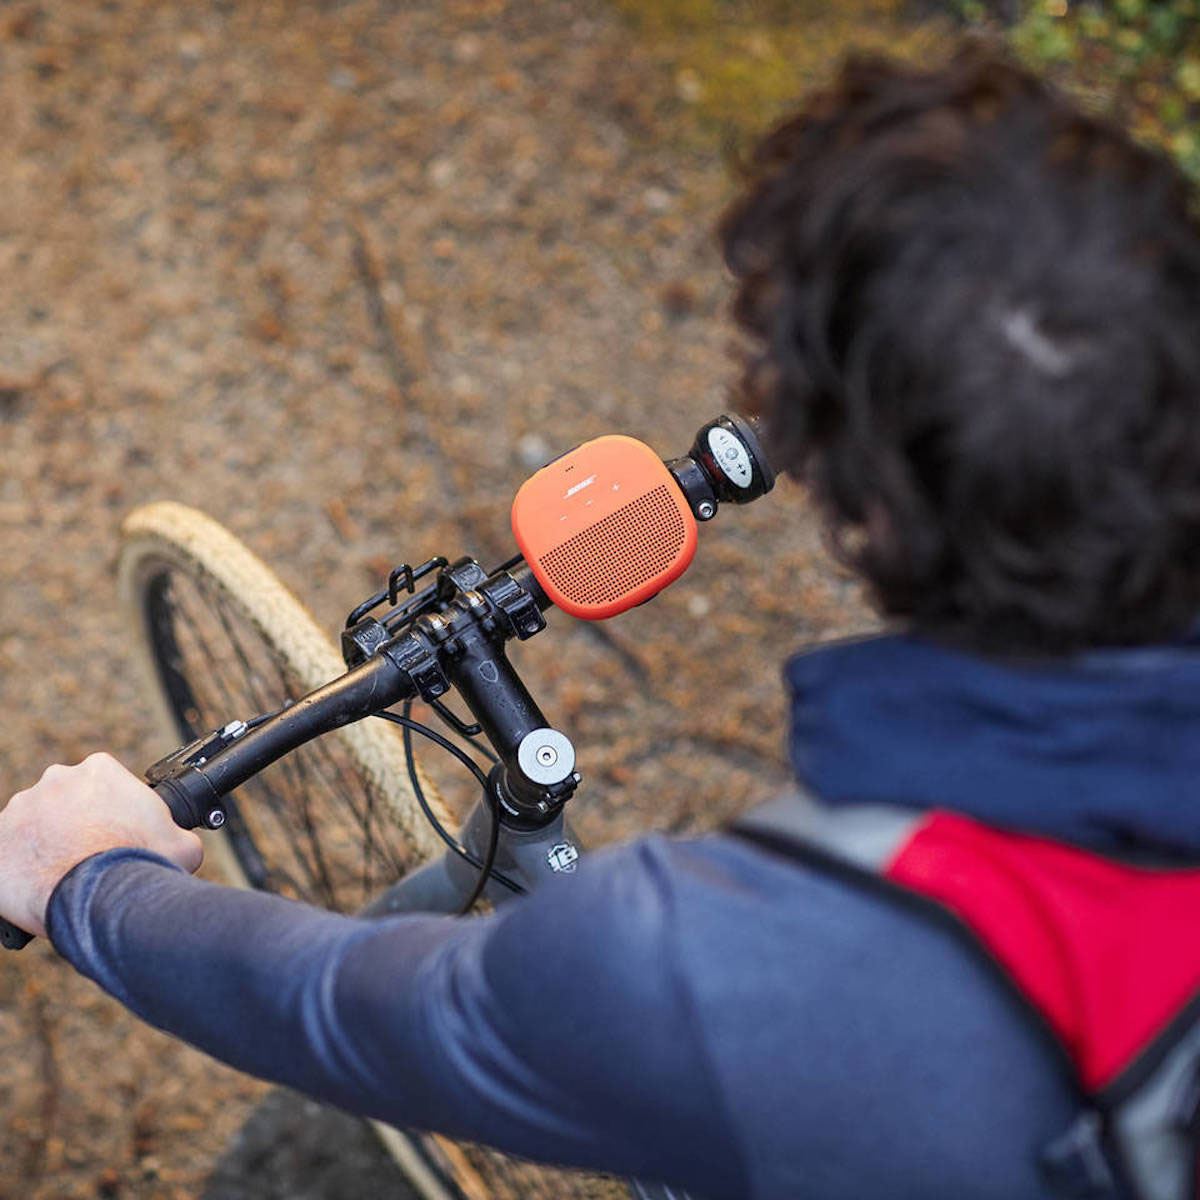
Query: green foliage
{"points": [[737, 64], [1137, 58]]}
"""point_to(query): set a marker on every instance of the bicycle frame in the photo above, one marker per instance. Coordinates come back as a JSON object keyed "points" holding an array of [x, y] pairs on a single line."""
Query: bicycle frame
{"points": [[529, 857]]}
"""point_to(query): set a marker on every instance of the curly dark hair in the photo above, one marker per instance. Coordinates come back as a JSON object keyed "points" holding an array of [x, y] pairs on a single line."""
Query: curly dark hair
{"points": [[974, 331]]}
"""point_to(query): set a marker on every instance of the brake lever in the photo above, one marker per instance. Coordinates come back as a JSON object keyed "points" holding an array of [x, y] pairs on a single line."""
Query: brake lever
{"points": [[194, 754]]}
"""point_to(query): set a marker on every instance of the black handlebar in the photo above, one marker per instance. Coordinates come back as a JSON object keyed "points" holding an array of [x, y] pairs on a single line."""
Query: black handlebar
{"points": [[459, 643], [190, 799], [194, 784]]}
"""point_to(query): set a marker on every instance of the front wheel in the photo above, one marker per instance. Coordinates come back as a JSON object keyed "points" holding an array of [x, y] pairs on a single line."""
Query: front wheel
{"points": [[221, 638], [333, 823]]}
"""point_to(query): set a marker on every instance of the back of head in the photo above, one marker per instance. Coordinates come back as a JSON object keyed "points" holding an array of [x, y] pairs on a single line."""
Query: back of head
{"points": [[974, 316]]}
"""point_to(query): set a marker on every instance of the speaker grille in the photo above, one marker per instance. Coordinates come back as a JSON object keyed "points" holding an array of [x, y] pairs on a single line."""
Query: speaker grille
{"points": [[619, 553]]}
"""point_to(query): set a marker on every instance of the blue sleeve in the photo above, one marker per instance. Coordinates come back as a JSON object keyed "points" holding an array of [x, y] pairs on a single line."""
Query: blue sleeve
{"points": [[559, 1028]]}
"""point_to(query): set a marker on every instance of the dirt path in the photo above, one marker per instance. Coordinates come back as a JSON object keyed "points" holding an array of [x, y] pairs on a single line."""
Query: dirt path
{"points": [[342, 274]]}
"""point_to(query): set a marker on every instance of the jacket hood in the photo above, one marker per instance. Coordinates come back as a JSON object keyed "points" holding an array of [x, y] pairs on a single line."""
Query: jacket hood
{"points": [[1101, 750]]}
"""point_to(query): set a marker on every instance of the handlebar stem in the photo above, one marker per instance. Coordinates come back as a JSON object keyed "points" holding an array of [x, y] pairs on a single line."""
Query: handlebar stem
{"points": [[470, 650]]}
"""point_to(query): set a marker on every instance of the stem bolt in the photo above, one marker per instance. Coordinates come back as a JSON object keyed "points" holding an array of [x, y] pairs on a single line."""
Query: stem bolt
{"points": [[706, 510], [546, 757], [215, 818]]}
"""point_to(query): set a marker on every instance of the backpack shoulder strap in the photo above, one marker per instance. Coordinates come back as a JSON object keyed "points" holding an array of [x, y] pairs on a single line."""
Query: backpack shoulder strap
{"points": [[859, 844], [1138, 1134], [866, 836]]}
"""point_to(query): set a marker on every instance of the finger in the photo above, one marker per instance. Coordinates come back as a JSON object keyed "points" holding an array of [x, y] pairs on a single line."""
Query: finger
{"points": [[53, 772], [104, 766], [16, 802], [191, 851]]}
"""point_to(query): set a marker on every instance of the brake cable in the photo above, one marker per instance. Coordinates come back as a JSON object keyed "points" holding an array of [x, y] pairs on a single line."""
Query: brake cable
{"points": [[486, 865]]}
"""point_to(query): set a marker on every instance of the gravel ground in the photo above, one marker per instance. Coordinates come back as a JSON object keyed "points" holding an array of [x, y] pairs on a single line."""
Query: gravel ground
{"points": [[341, 274]]}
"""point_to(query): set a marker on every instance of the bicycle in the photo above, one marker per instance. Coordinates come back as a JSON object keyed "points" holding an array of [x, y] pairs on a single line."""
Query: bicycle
{"points": [[350, 821]]}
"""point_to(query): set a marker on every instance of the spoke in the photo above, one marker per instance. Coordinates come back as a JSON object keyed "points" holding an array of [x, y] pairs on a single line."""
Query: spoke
{"points": [[290, 764], [341, 794], [275, 804], [192, 628], [277, 809], [326, 763], [260, 698], [365, 817], [312, 821]]}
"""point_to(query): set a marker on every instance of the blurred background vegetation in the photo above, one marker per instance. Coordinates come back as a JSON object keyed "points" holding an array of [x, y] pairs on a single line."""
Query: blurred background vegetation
{"points": [[738, 63]]}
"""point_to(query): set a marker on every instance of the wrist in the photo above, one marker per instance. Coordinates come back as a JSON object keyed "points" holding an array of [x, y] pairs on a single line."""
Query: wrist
{"points": [[87, 875]]}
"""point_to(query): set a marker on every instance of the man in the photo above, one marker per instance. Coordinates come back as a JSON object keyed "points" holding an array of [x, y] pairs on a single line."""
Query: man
{"points": [[972, 316]]}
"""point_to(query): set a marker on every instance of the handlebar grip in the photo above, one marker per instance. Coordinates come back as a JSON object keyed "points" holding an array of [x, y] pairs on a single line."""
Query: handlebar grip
{"points": [[13, 938], [188, 810]]}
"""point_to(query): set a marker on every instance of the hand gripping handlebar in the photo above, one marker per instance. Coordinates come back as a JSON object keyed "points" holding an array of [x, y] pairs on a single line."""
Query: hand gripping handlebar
{"points": [[193, 780]]}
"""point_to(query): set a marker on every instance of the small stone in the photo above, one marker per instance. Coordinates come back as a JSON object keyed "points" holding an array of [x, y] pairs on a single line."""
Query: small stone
{"points": [[467, 48], [657, 199], [12, 397], [267, 327], [678, 300], [533, 450], [441, 172], [688, 86], [524, 169]]}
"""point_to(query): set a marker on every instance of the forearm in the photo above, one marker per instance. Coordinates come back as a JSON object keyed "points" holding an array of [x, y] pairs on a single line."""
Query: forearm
{"points": [[251, 979], [555, 1028]]}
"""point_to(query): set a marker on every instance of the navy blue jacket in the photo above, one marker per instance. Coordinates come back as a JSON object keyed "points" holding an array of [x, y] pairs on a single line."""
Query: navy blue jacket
{"points": [[698, 1011]]}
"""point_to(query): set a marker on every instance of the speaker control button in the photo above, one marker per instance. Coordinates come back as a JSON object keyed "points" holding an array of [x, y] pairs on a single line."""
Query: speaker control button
{"points": [[731, 456]]}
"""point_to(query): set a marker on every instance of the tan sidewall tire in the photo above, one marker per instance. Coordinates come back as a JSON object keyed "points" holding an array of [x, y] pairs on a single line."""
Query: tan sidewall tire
{"points": [[195, 543]]}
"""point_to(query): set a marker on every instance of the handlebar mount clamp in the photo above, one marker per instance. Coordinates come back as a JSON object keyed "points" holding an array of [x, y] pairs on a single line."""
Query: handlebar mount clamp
{"points": [[516, 607], [362, 640], [420, 664]]}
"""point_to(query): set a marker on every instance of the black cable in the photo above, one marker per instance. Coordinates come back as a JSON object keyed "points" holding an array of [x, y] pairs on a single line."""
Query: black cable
{"points": [[487, 866], [468, 733], [489, 859], [410, 726], [409, 723], [255, 722]]}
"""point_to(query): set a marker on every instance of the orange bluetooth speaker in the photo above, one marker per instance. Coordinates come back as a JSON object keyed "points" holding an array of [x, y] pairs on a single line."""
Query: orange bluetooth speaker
{"points": [[604, 527]]}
